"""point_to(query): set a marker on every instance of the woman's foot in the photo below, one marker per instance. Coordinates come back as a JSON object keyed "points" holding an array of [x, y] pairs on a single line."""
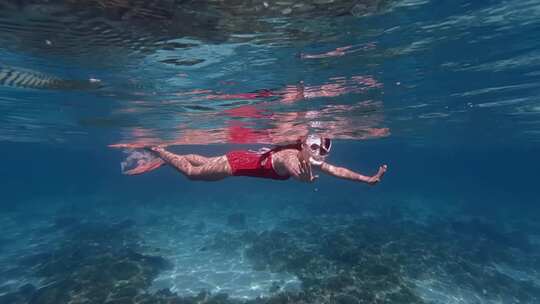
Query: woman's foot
{"points": [[145, 166], [155, 148]]}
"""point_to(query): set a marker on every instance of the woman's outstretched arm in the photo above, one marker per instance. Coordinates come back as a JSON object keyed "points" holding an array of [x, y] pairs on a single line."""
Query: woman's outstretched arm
{"points": [[345, 173]]}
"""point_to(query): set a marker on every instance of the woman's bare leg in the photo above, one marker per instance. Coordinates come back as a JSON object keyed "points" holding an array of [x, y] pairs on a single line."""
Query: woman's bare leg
{"points": [[214, 169], [197, 160]]}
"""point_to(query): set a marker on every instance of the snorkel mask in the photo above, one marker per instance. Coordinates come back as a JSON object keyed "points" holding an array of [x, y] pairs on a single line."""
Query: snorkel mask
{"points": [[318, 148]]}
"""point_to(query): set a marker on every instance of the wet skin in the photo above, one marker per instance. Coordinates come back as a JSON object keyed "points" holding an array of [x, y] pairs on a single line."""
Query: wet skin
{"points": [[285, 162]]}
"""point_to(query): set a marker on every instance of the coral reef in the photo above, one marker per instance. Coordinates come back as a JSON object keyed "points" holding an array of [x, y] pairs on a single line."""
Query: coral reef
{"points": [[338, 258]]}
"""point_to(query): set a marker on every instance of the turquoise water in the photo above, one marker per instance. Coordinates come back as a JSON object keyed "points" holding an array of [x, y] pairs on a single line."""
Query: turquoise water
{"points": [[444, 92]]}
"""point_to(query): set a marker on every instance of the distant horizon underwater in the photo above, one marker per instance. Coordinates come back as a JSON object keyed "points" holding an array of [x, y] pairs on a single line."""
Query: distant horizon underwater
{"points": [[443, 92]]}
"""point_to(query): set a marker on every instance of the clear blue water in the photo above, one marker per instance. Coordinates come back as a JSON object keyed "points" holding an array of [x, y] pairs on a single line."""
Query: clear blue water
{"points": [[444, 92]]}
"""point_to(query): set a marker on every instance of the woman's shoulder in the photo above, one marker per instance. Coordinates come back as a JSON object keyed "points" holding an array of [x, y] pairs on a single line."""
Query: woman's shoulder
{"points": [[285, 153]]}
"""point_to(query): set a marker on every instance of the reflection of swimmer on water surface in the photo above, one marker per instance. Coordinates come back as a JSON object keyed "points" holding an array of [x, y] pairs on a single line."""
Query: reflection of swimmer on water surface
{"points": [[243, 127], [338, 52], [297, 160], [300, 91]]}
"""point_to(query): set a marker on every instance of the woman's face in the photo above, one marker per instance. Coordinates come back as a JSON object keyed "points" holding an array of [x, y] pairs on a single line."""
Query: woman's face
{"points": [[317, 148]]}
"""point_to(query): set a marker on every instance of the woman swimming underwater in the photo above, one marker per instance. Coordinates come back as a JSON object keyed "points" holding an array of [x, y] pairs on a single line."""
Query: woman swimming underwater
{"points": [[280, 163]]}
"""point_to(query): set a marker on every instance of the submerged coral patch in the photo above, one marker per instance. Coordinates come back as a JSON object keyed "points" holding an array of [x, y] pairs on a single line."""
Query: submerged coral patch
{"points": [[376, 257]]}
